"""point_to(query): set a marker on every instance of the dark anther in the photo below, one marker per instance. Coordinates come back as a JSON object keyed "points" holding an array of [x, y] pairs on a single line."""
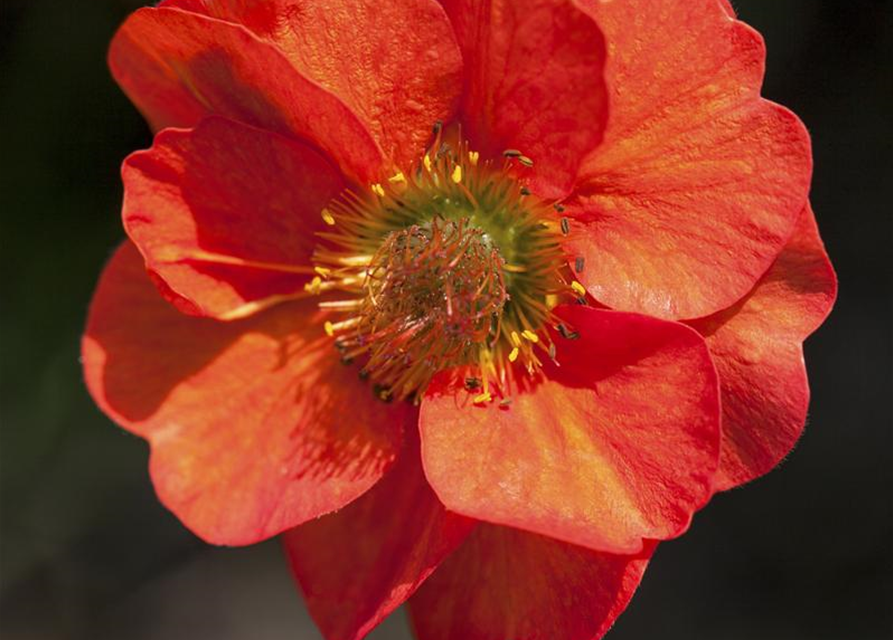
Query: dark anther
{"points": [[565, 226], [472, 383], [438, 127], [511, 153], [582, 301], [566, 333], [383, 393], [363, 374], [527, 162], [525, 191], [559, 208], [505, 402], [578, 264]]}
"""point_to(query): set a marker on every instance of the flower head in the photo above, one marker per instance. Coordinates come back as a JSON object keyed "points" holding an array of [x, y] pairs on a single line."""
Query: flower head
{"points": [[475, 300]]}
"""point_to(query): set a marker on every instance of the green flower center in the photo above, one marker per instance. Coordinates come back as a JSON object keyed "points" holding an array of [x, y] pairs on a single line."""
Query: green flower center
{"points": [[454, 267]]}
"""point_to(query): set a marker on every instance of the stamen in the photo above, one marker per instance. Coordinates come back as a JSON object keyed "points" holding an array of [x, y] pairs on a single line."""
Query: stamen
{"points": [[452, 264]]}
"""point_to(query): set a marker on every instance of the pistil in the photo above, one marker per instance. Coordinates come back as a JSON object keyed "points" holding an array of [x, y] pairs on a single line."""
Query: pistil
{"points": [[452, 266]]}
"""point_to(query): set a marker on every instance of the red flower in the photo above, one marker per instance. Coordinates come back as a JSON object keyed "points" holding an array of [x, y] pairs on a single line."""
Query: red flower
{"points": [[293, 201]]}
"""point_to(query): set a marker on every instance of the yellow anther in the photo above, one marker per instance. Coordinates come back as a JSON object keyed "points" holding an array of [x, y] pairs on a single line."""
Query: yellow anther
{"points": [[578, 288], [552, 300], [427, 162], [530, 335], [457, 174], [516, 339], [397, 177], [327, 217], [514, 354], [330, 329], [314, 285], [482, 398], [473, 157], [323, 271], [378, 189]]}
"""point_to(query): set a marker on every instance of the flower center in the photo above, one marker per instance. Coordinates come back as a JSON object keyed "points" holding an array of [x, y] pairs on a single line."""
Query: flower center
{"points": [[455, 267]]}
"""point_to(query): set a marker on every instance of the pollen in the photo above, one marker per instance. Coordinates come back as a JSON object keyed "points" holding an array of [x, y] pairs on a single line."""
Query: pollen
{"points": [[449, 266], [578, 288]]}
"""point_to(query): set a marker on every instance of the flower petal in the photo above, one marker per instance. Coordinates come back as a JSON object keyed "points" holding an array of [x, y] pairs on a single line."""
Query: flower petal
{"points": [[225, 214], [375, 552], [395, 64], [618, 443], [245, 419], [699, 182], [504, 583], [533, 82], [178, 66], [757, 347], [728, 8]]}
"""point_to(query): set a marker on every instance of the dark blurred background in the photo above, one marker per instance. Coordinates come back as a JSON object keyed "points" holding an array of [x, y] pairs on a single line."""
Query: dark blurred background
{"points": [[86, 551]]}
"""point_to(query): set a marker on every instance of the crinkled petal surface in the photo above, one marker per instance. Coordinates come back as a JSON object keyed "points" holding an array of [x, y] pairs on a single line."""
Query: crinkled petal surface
{"points": [[245, 419], [699, 182], [178, 66], [225, 214], [357, 565], [395, 64], [533, 82], [757, 347], [504, 583], [618, 444]]}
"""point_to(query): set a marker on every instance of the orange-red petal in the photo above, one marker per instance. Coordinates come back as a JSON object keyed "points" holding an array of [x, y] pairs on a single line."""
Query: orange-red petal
{"points": [[698, 182], [757, 347], [618, 443], [533, 82], [245, 419], [395, 64], [504, 583], [225, 214], [178, 66], [728, 8], [356, 566]]}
